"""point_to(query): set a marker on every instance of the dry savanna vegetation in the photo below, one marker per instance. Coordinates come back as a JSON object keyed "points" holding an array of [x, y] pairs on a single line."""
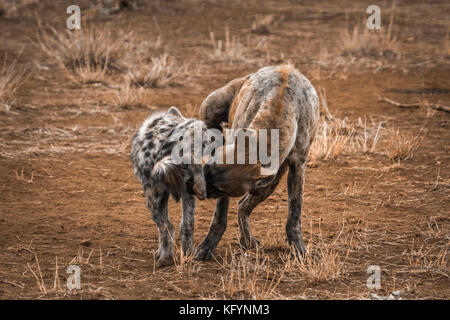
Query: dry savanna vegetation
{"points": [[377, 184]]}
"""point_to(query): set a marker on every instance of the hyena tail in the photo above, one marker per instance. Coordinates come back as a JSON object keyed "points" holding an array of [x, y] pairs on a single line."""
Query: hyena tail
{"points": [[171, 175]]}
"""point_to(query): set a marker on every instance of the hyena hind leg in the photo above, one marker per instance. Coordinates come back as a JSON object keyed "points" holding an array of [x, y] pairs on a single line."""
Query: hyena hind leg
{"points": [[295, 181], [187, 224], [158, 206]]}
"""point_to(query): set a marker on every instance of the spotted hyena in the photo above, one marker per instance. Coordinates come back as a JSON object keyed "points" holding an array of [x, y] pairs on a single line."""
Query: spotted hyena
{"points": [[275, 97], [161, 176]]}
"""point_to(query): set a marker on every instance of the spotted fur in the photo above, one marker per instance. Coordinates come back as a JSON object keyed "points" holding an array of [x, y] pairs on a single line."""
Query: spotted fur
{"points": [[160, 176]]}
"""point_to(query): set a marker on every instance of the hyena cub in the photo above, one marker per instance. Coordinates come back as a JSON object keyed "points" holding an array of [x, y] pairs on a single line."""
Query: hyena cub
{"points": [[162, 175]]}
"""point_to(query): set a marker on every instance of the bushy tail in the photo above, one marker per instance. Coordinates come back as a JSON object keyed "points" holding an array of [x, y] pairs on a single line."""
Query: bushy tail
{"points": [[171, 175]]}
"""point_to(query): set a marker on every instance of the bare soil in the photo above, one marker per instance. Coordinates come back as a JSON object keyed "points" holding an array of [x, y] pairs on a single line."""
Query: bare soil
{"points": [[68, 194]]}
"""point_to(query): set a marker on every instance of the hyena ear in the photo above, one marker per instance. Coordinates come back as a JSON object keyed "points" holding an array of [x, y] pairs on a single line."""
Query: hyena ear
{"points": [[174, 111], [171, 175]]}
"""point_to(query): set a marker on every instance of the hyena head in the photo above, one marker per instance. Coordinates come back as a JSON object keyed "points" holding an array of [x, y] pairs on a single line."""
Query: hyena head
{"points": [[232, 180], [154, 161], [224, 181]]}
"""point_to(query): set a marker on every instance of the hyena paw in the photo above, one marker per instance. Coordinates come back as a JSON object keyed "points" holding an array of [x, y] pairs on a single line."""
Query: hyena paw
{"points": [[163, 258], [299, 251], [203, 254], [164, 261], [251, 243], [188, 248], [157, 253]]}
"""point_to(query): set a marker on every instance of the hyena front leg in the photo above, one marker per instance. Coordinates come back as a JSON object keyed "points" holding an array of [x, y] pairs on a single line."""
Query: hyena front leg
{"points": [[157, 204], [295, 181], [187, 224], [218, 225], [249, 202]]}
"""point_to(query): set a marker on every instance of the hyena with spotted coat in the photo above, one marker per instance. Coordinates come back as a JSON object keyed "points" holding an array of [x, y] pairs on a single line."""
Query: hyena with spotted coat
{"points": [[161, 176], [275, 97]]}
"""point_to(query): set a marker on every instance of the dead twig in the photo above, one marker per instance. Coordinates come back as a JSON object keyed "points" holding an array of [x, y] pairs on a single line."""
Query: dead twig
{"points": [[435, 106], [14, 283]]}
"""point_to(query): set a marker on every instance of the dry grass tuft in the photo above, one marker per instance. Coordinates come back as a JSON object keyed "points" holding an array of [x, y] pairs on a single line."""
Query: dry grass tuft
{"points": [[86, 73], [185, 264], [142, 51], [276, 235], [12, 77], [358, 49], [229, 51], [428, 259], [93, 48], [162, 71], [353, 189], [249, 275], [38, 275], [362, 42], [325, 112], [339, 136], [434, 231], [328, 144], [369, 136], [336, 136], [332, 135], [129, 97], [87, 56], [403, 145], [335, 67], [322, 263], [21, 176]]}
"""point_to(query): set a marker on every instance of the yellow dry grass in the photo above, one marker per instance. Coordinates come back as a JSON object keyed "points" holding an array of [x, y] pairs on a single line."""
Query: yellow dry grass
{"points": [[12, 77]]}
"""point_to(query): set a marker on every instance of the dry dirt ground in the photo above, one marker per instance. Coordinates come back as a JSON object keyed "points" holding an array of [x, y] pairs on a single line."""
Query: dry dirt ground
{"points": [[68, 194]]}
